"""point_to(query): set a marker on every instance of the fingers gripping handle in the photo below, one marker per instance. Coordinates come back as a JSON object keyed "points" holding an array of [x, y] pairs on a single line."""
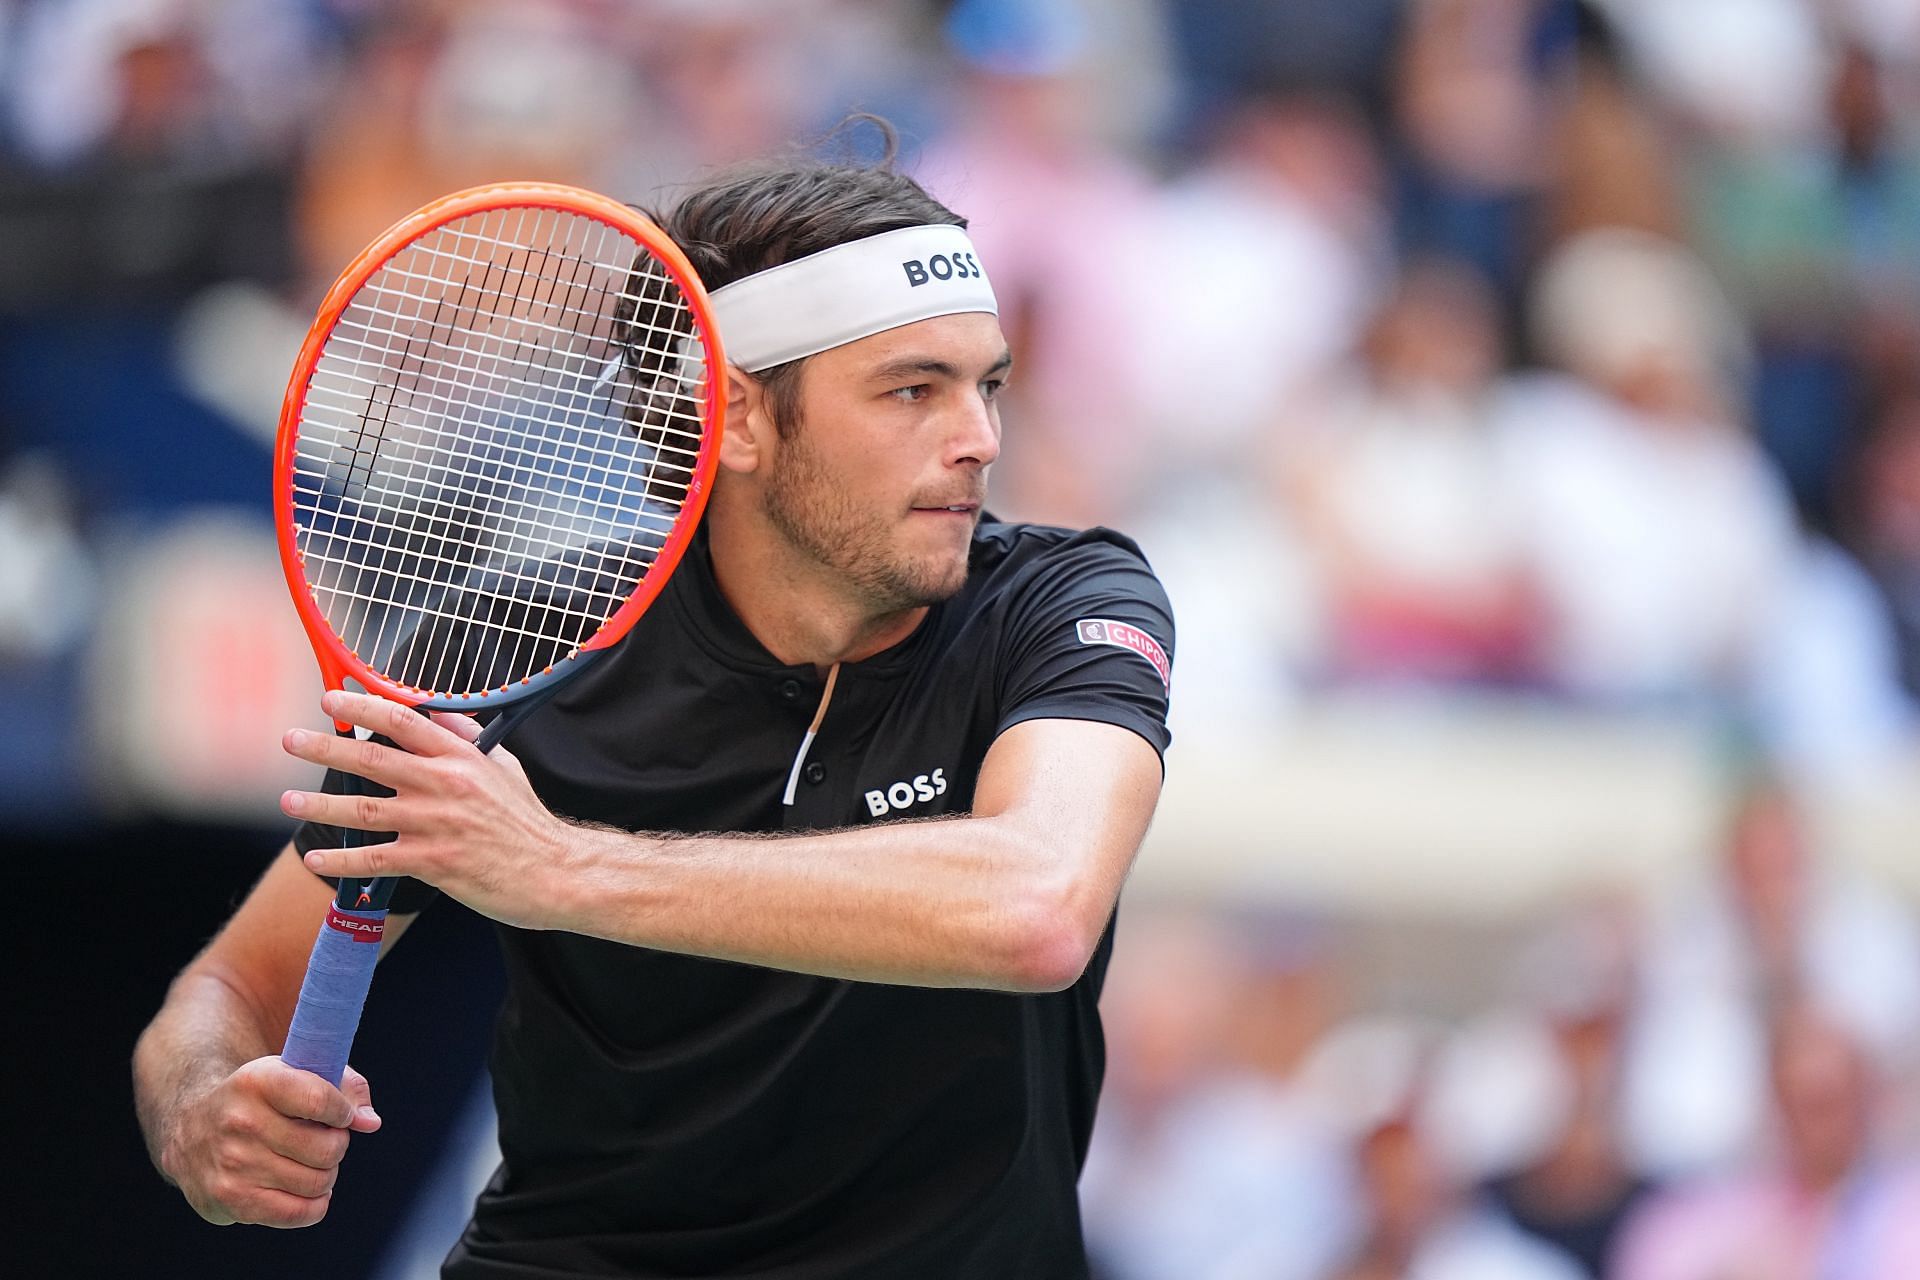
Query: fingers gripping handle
{"points": [[340, 971], [338, 975]]}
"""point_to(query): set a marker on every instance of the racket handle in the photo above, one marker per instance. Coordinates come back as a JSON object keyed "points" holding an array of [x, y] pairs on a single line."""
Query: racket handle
{"points": [[338, 975]]}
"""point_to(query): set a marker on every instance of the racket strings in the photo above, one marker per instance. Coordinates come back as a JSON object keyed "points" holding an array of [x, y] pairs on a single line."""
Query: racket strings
{"points": [[645, 351], [650, 306], [508, 642], [475, 495]]}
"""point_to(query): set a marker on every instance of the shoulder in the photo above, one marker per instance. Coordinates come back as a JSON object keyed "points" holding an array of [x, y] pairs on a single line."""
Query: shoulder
{"points": [[997, 540], [1072, 623], [1014, 555], [1040, 585], [1027, 575]]}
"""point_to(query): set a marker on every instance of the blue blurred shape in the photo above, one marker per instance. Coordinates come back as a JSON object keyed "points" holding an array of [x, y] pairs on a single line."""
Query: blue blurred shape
{"points": [[1018, 37]]}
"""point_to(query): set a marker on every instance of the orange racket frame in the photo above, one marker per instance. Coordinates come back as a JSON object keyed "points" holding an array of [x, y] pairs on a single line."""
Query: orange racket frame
{"points": [[337, 662]]}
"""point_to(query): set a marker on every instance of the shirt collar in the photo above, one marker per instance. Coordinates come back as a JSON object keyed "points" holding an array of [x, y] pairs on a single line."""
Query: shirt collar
{"points": [[729, 639]]}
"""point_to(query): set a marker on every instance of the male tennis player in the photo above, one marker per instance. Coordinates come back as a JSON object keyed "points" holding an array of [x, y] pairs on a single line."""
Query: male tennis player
{"points": [[805, 890]]}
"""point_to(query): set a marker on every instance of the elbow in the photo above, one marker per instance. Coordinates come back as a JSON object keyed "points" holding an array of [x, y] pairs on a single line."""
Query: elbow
{"points": [[1050, 948]]}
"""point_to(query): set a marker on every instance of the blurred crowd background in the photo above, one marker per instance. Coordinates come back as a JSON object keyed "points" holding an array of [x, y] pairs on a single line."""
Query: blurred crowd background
{"points": [[1520, 398]]}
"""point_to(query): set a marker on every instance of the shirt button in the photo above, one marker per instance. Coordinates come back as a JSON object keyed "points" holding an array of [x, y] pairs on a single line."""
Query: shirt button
{"points": [[816, 773], [790, 690]]}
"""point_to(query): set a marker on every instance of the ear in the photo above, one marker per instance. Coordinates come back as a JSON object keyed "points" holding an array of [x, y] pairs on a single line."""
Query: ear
{"points": [[743, 443]]}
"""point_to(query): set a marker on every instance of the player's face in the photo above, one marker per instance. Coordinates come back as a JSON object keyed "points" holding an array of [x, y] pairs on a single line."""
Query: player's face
{"points": [[884, 477]]}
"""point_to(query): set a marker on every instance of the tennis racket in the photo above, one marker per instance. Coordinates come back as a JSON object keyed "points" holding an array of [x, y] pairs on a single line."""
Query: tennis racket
{"points": [[495, 446]]}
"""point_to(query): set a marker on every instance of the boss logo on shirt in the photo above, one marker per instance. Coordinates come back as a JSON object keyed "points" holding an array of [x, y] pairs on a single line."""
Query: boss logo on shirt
{"points": [[905, 795], [942, 266], [1107, 631]]}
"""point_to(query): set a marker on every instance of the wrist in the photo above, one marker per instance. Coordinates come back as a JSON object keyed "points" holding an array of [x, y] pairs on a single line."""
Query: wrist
{"points": [[163, 1092], [579, 881], [172, 1126]]}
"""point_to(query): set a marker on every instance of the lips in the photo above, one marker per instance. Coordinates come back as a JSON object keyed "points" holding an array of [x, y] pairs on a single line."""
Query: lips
{"points": [[957, 506]]}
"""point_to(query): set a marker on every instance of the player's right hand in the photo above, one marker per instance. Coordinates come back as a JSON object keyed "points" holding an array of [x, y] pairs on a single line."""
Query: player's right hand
{"points": [[265, 1144]]}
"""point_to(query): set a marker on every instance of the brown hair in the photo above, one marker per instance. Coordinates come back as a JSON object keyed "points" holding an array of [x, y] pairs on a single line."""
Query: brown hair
{"points": [[762, 215]]}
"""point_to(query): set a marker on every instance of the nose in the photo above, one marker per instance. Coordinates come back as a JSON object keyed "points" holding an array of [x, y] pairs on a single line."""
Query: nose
{"points": [[976, 436]]}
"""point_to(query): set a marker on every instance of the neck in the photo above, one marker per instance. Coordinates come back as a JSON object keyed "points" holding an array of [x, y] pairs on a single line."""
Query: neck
{"points": [[793, 606]]}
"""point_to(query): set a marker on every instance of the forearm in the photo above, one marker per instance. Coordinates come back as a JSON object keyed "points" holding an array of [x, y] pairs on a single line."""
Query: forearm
{"points": [[964, 902], [1013, 897], [206, 1029]]}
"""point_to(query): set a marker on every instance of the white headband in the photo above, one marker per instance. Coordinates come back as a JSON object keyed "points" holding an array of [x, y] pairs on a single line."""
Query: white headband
{"points": [[849, 291]]}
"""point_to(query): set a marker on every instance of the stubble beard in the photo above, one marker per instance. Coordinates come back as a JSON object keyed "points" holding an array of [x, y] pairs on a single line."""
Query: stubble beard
{"points": [[819, 520]]}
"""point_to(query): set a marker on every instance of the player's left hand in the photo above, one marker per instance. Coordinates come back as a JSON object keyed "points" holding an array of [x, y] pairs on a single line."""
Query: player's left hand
{"points": [[466, 823]]}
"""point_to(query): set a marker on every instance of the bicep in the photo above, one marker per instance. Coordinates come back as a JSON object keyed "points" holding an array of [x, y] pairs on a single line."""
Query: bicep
{"points": [[1083, 789], [262, 951]]}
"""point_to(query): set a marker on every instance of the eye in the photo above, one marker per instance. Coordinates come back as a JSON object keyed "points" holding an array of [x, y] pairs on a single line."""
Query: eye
{"points": [[912, 395], [992, 387]]}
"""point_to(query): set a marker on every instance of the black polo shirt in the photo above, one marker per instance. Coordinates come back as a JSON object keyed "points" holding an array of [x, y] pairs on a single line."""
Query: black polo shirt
{"points": [[666, 1115]]}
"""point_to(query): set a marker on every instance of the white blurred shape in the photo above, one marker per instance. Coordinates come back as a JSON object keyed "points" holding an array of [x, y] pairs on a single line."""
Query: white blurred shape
{"points": [[1263, 296], [47, 579], [1757, 67], [234, 346], [1243, 608], [527, 83], [1242, 1177], [1500, 1092], [1658, 544], [1826, 677], [1610, 301]]}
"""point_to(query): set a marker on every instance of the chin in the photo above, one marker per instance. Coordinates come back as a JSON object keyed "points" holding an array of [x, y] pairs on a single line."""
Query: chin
{"points": [[916, 585], [950, 587], [943, 583]]}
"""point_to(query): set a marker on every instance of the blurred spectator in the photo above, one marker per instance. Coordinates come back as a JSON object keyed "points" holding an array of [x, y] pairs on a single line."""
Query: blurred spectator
{"points": [[1658, 535], [1578, 1188], [1269, 258], [1471, 108], [1418, 1220], [1420, 1229], [1612, 150], [725, 81], [1890, 27], [181, 81], [1401, 497], [1272, 253], [155, 135], [433, 98], [1818, 234], [1886, 520], [1230, 48], [1116, 52], [1775, 920], [1823, 1202], [1210, 1160]]}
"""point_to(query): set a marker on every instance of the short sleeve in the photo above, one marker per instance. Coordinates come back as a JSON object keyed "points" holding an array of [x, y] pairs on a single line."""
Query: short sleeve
{"points": [[409, 895], [1088, 635]]}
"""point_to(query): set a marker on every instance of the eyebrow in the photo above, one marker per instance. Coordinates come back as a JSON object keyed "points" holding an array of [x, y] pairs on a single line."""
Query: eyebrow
{"points": [[930, 365]]}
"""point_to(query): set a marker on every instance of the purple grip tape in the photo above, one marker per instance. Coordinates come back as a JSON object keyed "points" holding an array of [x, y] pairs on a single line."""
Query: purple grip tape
{"points": [[338, 975]]}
